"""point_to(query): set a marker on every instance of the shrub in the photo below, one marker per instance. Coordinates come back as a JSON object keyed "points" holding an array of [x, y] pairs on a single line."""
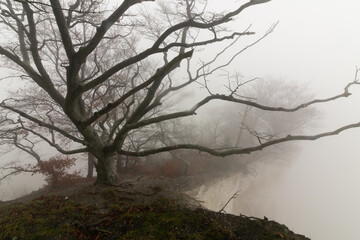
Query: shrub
{"points": [[56, 171]]}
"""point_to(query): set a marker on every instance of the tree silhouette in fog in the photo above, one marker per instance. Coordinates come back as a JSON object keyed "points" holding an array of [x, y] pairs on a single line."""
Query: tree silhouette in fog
{"points": [[103, 77]]}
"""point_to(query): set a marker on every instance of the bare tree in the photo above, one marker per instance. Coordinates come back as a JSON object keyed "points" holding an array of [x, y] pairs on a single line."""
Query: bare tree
{"points": [[57, 42], [229, 126]]}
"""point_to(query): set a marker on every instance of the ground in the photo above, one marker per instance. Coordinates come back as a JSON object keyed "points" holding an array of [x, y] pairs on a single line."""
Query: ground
{"points": [[139, 208]]}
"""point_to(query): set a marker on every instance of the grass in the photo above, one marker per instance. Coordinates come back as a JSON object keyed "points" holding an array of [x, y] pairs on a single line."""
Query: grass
{"points": [[108, 214]]}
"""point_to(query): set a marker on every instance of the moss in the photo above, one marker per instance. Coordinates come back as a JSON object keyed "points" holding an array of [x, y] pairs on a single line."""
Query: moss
{"points": [[42, 218], [164, 220], [157, 188], [54, 217], [109, 194]]}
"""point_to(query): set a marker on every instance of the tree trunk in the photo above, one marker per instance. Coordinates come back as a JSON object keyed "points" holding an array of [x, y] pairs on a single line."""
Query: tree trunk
{"points": [[91, 160], [120, 163], [106, 171]]}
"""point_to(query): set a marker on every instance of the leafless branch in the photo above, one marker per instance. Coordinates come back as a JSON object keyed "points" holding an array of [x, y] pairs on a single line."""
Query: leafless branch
{"points": [[40, 123], [222, 210], [241, 150]]}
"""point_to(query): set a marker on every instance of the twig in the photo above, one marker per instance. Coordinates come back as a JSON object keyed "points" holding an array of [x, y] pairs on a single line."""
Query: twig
{"points": [[222, 210]]}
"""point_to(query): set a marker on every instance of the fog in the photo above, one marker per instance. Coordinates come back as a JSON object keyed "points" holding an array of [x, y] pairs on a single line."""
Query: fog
{"points": [[317, 193], [316, 196]]}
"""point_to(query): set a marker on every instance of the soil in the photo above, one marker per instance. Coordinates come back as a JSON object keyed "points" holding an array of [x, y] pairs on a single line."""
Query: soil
{"points": [[140, 207]]}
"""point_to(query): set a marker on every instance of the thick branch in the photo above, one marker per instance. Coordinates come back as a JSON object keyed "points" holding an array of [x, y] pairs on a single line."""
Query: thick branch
{"points": [[21, 31], [206, 42], [239, 150], [56, 146], [160, 74], [105, 25], [102, 78], [62, 25], [71, 9], [155, 47], [38, 79], [46, 82], [230, 98]]}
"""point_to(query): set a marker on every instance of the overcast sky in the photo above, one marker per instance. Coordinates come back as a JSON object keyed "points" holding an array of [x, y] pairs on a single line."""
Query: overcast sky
{"points": [[317, 42]]}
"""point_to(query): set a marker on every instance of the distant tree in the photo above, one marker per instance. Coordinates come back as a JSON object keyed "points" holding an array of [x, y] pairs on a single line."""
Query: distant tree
{"points": [[90, 61], [229, 126], [248, 126]]}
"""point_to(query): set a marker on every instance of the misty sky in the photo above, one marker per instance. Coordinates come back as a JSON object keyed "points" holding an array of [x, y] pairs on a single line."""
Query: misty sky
{"points": [[315, 42]]}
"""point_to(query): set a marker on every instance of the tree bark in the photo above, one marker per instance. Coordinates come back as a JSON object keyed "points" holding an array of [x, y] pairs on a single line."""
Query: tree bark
{"points": [[120, 163], [106, 171], [91, 160]]}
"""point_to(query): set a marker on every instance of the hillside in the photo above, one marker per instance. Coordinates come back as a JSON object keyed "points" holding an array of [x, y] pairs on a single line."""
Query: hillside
{"points": [[136, 209]]}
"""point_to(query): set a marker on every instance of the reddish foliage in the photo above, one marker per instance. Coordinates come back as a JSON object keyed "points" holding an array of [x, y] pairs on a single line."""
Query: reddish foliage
{"points": [[175, 168], [55, 171], [170, 167]]}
